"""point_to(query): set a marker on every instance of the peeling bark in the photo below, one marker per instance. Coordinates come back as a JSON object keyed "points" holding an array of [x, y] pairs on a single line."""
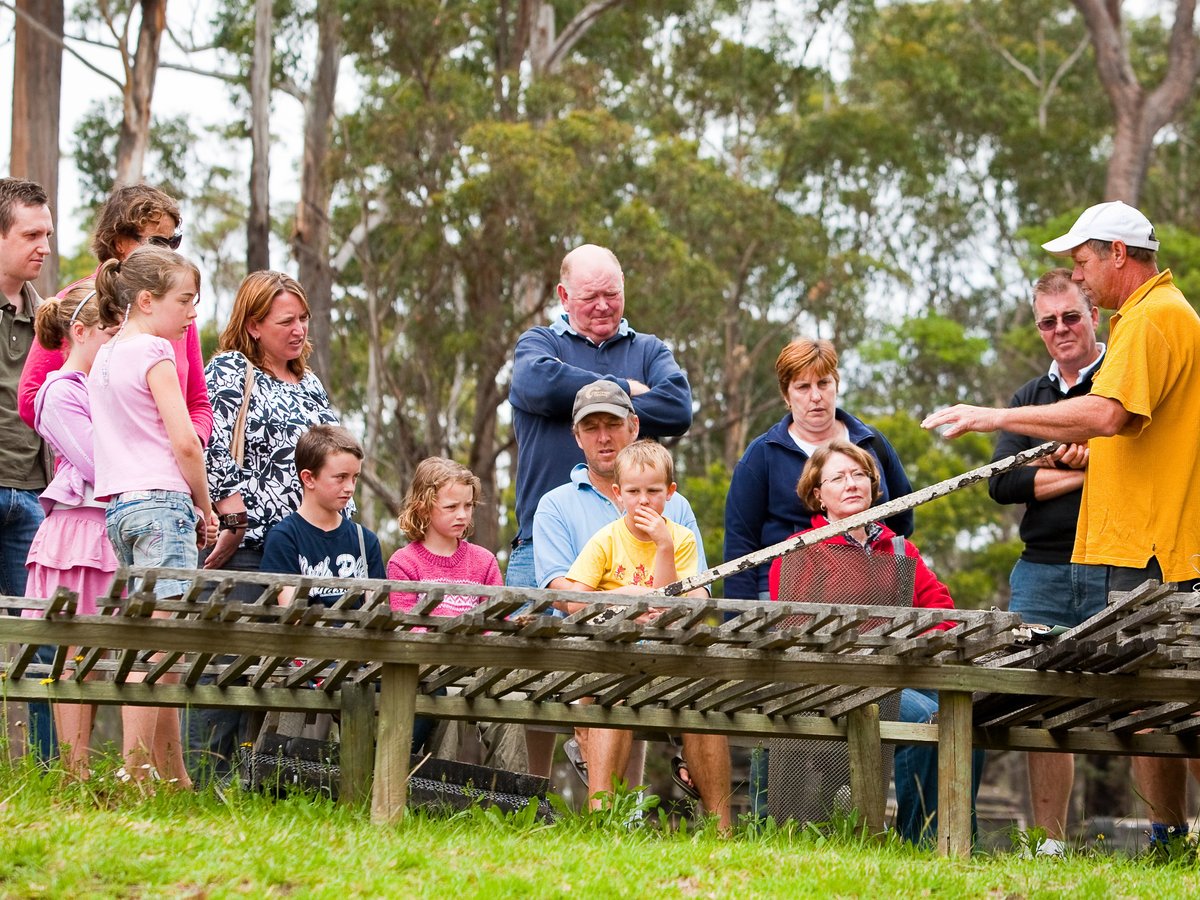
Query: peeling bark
{"points": [[141, 70], [37, 92], [310, 237], [258, 225]]}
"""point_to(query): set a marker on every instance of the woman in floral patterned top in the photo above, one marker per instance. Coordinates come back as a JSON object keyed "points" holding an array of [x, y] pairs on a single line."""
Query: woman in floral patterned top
{"points": [[267, 335]]}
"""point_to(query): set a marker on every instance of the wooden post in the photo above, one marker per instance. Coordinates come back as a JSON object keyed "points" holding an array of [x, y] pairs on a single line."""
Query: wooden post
{"points": [[954, 773], [866, 765], [358, 742], [397, 703]]}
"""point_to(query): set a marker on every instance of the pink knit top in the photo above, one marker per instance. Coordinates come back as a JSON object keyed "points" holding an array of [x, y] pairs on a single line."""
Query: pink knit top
{"points": [[469, 564]]}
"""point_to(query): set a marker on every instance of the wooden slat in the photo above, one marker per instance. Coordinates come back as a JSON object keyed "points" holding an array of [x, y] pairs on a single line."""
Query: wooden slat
{"points": [[397, 704], [357, 743], [867, 788], [954, 774]]}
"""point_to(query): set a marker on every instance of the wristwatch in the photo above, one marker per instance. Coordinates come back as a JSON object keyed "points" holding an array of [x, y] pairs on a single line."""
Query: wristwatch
{"points": [[232, 521]]}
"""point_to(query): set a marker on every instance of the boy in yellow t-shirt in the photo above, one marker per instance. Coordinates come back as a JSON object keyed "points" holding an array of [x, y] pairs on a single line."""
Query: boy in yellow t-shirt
{"points": [[638, 553], [641, 550]]}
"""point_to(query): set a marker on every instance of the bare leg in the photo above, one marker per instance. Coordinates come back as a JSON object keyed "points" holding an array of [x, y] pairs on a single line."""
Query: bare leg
{"points": [[152, 735], [707, 757], [1194, 767], [608, 754], [540, 746], [1051, 776], [74, 723], [168, 747], [137, 742], [1162, 783]]}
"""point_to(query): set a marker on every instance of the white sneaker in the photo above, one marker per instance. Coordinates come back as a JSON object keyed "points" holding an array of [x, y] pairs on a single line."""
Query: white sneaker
{"points": [[1052, 847]]}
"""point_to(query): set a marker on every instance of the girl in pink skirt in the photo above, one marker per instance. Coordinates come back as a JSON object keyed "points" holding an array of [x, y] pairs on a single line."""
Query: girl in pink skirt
{"points": [[71, 549]]}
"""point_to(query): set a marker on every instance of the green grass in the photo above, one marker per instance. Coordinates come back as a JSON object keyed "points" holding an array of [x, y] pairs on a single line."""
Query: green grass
{"points": [[106, 839]]}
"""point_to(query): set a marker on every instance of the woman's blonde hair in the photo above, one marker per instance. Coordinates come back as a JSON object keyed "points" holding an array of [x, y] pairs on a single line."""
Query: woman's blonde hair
{"points": [[56, 315], [432, 474], [255, 296], [810, 478]]}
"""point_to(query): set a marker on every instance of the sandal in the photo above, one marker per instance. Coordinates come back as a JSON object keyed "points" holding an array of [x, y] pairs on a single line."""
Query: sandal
{"points": [[575, 758], [682, 776]]}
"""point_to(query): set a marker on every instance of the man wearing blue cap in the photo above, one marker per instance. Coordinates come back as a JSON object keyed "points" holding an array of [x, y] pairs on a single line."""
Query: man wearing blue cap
{"points": [[1142, 486]]}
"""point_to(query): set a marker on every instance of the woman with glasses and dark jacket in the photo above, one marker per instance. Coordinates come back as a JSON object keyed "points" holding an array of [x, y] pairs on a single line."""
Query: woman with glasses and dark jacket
{"points": [[131, 216]]}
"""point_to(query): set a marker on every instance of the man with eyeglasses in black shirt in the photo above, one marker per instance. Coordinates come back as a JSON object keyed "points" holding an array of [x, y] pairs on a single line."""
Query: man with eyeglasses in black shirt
{"points": [[1047, 588]]}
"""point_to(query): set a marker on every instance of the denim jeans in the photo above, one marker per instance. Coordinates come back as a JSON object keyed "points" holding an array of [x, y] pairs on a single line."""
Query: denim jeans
{"points": [[520, 571], [155, 529], [1066, 594], [212, 736], [20, 516]]}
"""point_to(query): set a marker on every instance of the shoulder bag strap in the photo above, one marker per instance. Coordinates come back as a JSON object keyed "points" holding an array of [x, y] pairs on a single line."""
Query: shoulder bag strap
{"points": [[237, 444]]}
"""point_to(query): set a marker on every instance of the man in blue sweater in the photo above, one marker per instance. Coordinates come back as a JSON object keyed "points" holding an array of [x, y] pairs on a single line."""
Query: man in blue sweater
{"points": [[1047, 587], [589, 340]]}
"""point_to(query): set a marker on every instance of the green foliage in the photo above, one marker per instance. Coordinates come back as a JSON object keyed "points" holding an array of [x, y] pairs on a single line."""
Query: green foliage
{"points": [[167, 165], [706, 493]]}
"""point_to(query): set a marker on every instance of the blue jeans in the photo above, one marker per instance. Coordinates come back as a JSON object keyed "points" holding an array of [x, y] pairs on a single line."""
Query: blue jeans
{"points": [[156, 529], [520, 571], [1066, 594], [916, 773], [20, 516]]}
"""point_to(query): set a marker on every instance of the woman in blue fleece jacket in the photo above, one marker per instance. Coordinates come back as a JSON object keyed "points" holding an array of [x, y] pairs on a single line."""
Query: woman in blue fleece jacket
{"points": [[761, 507]]}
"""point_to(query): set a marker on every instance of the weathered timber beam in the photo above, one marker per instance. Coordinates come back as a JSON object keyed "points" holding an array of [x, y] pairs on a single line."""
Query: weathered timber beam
{"points": [[598, 657]]}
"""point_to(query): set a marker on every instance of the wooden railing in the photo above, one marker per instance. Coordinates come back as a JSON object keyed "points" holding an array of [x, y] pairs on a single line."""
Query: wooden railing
{"points": [[701, 665]]}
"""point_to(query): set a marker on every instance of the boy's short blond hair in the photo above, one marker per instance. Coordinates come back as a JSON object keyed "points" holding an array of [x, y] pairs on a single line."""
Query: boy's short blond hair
{"points": [[644, 454]]}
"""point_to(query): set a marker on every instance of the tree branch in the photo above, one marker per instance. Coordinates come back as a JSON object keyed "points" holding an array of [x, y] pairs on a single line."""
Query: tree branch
{"points": [[192, 70], [576, 29], [59, 39]]}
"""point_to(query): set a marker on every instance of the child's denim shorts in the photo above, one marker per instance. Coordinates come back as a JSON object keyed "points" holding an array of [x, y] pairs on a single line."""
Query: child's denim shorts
{"points": [[156, 529]]}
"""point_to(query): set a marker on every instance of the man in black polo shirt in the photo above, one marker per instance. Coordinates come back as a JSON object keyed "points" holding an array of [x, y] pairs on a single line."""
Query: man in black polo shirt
{"points": [[1047, 587]]}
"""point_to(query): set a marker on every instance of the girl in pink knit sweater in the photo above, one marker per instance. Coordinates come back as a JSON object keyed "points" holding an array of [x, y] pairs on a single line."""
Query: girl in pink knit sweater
{"points": [[437, 518]]}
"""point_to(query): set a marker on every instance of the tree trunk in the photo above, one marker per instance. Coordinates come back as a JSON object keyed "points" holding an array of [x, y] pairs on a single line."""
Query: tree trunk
{"points": [[37, 91], [1138, 114], [134, 139], [310, 239], [258, 226]]}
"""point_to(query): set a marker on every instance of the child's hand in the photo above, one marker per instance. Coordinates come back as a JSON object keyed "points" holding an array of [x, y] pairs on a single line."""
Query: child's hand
{"points": [[653, 525], [206, 529]]}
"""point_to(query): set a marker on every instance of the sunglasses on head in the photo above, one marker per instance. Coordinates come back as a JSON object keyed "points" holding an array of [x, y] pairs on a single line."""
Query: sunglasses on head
{"points": [[171, 243], [1070, 319]]}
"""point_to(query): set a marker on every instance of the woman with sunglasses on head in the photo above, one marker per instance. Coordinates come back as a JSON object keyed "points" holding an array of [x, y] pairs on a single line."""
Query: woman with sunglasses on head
{"points": [[132, 216]]}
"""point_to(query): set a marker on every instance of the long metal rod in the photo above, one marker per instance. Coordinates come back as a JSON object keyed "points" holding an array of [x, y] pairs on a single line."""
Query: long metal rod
{"points": [[874, 514]]}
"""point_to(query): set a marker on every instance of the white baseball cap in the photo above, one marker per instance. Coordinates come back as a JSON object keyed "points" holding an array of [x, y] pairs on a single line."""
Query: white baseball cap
{"points": [[1112, 221]]}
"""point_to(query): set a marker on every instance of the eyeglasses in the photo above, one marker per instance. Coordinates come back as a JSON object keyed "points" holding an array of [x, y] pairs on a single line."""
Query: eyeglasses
{"points": [[171, 243], [1070, 319], [840, 480]]}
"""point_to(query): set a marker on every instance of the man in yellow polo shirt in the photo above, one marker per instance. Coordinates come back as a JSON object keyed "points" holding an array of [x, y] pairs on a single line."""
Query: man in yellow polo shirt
{"points": [[1141, 423]]}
